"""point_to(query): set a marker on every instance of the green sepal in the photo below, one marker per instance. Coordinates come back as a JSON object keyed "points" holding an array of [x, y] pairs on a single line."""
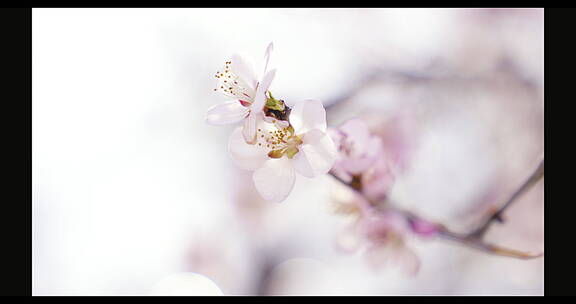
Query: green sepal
{"points": [[274, 104], [276, 153], [291, 151]]}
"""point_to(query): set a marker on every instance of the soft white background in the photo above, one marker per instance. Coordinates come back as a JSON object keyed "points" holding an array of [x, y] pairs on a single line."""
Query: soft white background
{"points": [[129, 182]]}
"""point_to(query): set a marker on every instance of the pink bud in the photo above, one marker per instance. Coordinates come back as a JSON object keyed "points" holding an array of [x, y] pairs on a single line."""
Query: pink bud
{"points": [[423, 228]]}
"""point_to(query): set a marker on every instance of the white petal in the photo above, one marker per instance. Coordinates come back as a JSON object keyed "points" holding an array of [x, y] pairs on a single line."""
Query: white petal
{"points": [[281, 124], [267, 56], [248, 157], [275, 179], [249, 130], [317, 154], [263, 86], [307, 115], [244, 70], [226, 113]]}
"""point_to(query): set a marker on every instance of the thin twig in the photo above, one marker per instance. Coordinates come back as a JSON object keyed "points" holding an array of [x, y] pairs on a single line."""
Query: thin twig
{"points": [[497, 216], [475, 238]]}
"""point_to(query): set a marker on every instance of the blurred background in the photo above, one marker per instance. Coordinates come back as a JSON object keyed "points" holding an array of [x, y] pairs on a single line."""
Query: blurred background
{"points": [[133, 194]]}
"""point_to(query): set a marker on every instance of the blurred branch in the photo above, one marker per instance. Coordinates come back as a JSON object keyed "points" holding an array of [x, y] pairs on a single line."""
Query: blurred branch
{"points": [[497, 215], [475, 239], [374, 76], [507, 66]]}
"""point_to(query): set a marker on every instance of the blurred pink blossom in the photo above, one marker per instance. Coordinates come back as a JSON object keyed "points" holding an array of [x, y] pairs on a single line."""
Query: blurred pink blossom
{"points": [[357, 148], [385, 234], [378, 179], [381, 236]]}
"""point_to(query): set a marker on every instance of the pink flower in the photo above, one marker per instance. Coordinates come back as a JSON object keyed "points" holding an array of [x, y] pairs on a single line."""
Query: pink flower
{"points": [[381, 235], [385, 234], [362, 154], [358, 150], [378, 179]]}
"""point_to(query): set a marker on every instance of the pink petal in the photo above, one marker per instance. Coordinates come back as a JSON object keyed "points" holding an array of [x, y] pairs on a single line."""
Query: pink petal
{"points": [[357, 130], [407, 260], [378, 256], [359, 149], [393, 256], [340, 172], [377, 226], [378, 181]]}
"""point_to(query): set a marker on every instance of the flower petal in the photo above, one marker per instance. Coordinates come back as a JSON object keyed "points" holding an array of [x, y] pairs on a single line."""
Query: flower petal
{"points": [[378, 180], [249, 130], [260, 99], [347, 239], [267, 56], [244, 70], [248, 157], [341, 173], [358, 132], [317, 154], [226, 113], [407, 260], [393, 255], [307, 115], [367, 160], [275, 179]]}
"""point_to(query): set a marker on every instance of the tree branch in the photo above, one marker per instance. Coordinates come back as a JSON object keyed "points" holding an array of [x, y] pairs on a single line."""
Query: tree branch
{"points": [[497, 215], [475, 239]]}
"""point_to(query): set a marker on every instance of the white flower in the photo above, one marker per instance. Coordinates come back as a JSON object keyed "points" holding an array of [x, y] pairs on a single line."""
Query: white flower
{"points": [[239, 81], [278, 153]]}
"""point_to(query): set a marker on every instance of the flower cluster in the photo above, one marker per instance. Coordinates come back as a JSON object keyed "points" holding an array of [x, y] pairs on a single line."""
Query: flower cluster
{"points": [[275, 141], [365, 164]]}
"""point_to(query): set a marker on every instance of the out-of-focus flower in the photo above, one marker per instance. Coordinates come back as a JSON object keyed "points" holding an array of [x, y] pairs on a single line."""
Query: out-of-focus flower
{"points": [[381, 235], [358, 149], [378, 179], [278, 153], [399, 138], [362, 156], [238, 80], [385, 234], [369, 162]]}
